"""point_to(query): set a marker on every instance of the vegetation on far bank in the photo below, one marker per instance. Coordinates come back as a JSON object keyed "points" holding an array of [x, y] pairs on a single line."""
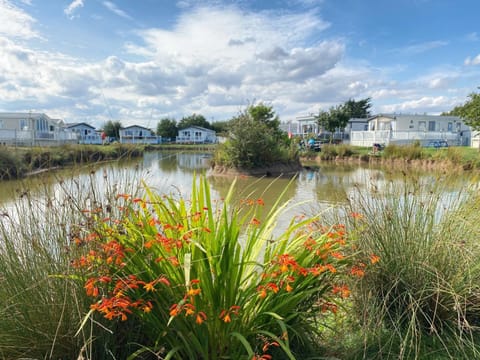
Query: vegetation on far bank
{"points": [[466, 157], [16, 162]]}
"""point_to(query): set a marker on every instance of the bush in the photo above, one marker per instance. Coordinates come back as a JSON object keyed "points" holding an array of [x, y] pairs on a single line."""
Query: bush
{"points": [[210, 280], [255, 141]]}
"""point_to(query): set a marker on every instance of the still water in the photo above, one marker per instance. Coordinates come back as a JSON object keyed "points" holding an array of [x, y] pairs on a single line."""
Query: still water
{"points": [[314, 189]]}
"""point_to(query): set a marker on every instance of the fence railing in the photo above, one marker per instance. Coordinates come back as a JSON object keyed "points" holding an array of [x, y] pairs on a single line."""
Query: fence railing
{"points": [[368, 138]]}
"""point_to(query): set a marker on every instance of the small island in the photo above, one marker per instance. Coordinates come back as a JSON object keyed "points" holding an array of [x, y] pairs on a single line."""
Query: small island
{"points": [[256, 146]]}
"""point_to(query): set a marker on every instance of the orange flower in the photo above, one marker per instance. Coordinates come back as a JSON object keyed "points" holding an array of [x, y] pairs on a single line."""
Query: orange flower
{"points": [[263, 292], [273, 287], [260, 202], [343, 290], [374, 258], [227, 318], [356, 215], [255, 222], [201, 317], [357, 271], [175, 310], [149, 286]]}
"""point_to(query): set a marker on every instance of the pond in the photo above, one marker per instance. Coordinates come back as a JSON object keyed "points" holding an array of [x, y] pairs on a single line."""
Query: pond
{"points": [[315, 189]]}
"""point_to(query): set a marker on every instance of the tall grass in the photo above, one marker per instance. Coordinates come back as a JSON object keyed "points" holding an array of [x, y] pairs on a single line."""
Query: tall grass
{"points": [[422, 300], [407, 152], [11, 166], [41, 305], [209, 279]]}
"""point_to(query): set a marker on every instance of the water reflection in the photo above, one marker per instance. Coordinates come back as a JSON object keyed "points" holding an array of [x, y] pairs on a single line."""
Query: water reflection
{"points": [[172, 173]]}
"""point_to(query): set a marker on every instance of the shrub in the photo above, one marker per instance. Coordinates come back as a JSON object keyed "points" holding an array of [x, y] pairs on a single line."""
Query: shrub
{"points": [[211, 280], [255, 140]]}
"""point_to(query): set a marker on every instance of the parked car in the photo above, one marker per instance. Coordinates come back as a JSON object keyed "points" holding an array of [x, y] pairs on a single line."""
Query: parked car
{"points": [[438, 144]]}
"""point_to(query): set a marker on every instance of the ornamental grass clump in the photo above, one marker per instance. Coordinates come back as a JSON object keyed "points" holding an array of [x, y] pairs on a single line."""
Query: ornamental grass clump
{"points": [[422, 300], [207, 279]]}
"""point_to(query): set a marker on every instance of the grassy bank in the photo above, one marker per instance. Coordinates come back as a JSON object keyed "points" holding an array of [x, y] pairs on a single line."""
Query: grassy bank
{"points": [[463, 157], [16, 162]]}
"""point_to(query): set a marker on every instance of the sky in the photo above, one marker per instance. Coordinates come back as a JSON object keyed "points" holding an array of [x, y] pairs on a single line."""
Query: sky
{"points": [[139, 61]]}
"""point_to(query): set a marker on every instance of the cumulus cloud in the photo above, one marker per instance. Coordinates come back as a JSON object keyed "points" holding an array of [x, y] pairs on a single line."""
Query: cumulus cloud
{"points": [[16, 23], [472, 61], [422, 104], [72, 8]]}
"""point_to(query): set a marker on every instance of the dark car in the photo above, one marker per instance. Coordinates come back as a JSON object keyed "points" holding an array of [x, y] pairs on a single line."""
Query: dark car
{"points": [[438, 144]]}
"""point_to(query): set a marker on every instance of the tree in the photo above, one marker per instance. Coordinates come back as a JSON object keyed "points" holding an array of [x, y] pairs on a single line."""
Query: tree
{"points": [[112, 129], [336, 118], [358, 109], [193, 120], [470, 112], [221, 127], [167, 128]]}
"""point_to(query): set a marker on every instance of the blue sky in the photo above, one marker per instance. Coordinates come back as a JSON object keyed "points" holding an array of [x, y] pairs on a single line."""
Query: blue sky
{"points": [[138, 61]]}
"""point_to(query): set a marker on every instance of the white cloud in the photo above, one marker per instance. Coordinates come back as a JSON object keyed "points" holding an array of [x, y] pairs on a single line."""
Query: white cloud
{"points": [[421, 47], [472, 61], [114, 8], [15, 23], [71, 9], [426, 103]]}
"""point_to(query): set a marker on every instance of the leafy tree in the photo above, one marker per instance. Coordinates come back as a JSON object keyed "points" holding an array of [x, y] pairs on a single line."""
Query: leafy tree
{"points": [[336, 118], [112, 129], [193, 120], [167, 128], [358, 109], [470, 112], [221, 127]]}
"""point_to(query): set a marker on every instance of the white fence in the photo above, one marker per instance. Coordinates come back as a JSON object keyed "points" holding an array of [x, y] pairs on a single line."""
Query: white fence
{"points": [[141, 139], [368, 138], [32, 138]]}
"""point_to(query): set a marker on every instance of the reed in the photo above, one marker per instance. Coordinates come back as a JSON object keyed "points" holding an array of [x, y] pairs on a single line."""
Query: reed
{"points": [[422, 300]]}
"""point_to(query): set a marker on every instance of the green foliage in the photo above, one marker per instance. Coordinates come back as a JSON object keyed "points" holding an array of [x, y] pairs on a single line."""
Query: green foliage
{"points": [[358, 109], [205, 279], [336, 118], [44, 158], [470, 111], [255, 140], [330, 152], [167, 128], [11, 166], [422, 300], [112, 129], [193, 120], [221, 127], [41, 304], [408, 152]]}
